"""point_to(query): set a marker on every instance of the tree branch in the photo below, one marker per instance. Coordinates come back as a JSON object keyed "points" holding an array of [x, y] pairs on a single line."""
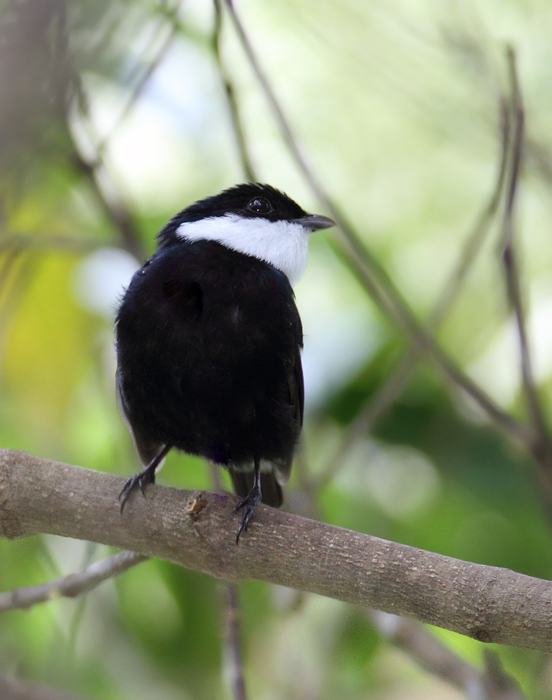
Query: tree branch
{"points": [[543, 446], [232, 644], [73, 585], [196, 530], [229, 91], [232, 650], [110, 202]]}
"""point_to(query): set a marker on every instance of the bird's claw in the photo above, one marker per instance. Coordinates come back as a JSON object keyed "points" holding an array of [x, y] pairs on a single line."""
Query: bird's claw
{"points": [[248, 505], [138, 480]]}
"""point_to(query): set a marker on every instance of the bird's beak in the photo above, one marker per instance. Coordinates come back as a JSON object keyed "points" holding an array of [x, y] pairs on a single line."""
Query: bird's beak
{"points": [[315, 222]]}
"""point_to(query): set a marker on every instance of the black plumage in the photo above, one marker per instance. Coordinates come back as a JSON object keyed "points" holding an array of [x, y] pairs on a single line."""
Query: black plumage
{"points": [[208, 353]]}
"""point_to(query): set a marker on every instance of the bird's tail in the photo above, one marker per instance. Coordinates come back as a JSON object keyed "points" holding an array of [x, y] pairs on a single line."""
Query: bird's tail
{"points": [[271, 491]]}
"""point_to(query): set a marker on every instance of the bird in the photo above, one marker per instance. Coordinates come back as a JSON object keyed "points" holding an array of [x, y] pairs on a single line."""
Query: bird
{"points": [[209, 340]]}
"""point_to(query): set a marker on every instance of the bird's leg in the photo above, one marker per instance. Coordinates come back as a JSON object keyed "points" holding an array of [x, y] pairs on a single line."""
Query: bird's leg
{"points": [[250, 502], [143, 478]]}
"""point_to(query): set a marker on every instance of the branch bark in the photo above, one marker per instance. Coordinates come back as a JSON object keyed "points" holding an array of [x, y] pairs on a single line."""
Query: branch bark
{"points": [[195, 530]]}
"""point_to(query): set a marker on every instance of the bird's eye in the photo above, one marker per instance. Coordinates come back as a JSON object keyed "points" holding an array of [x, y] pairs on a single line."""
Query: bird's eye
{"points": [[259, 205]]}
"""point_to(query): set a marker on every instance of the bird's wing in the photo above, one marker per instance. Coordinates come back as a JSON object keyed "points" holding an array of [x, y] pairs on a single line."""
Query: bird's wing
{"points": [[282, 468], [297, 388], [147, 448]]}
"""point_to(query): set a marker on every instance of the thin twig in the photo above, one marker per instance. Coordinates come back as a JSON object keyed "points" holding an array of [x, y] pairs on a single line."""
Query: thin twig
{"points": [[233, 652], [229, 91], [475, 240], [76, 615], [110, 201], [543, 446], [424, 342], [72, 585], [384, 397], [102, 184], [370, 274], [232, 644], [281, 120]]}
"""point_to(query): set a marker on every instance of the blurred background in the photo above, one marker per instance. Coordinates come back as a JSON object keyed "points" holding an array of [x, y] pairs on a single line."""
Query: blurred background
{"points": [[116, 115]]}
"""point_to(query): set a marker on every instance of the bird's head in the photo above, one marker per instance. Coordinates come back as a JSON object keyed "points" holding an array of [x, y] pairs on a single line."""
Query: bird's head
{"points": [[253, 219]]}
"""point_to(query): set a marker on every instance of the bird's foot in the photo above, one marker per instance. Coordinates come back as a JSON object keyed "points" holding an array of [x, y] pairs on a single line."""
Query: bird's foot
{"points": [[142, 479], [248, 505]]}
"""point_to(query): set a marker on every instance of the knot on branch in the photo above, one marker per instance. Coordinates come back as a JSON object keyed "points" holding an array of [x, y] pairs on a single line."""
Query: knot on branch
{"points": [[196, 503], [482, 634]]}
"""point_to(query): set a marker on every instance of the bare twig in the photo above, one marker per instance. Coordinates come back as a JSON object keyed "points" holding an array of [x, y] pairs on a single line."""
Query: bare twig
{"points": [[95, 168], [229, 90], [425, 650], [281, 120], [109, 200], [371, 274], [475, 240], [102, 184], [233, 653], [232, 645], [543, 446], [196, 530], [72, 585], [425, 343], [384, 397]]}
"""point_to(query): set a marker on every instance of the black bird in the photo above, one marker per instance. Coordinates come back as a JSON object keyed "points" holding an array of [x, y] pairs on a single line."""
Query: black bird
{"points": [[209, 341]]}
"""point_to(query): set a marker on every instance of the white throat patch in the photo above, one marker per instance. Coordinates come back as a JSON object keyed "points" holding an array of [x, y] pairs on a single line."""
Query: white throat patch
{"points": [[280, 243]]}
